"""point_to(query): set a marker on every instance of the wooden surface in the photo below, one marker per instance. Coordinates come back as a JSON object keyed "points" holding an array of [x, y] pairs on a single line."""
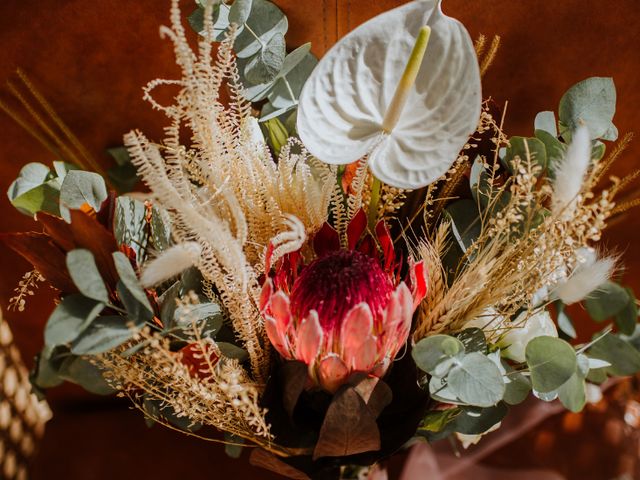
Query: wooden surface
{"points": [[91, 60]]}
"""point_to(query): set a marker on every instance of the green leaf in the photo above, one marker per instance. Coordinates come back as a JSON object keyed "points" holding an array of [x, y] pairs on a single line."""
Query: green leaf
{"points": [[233, 451], [526, 149], [551, 362], [45, 374], [221, 23], [572, 394], [465, 222], [476, 380], [84, 273], [160, 229], [288, 86], [265, 20], [104, 334], [130, 226], [627, 318], [136, 310], [130, 280], [623, 357], [43, 198], [436, 421], [81, 187], [84, 373], [239, 11], [473, 340], [474, 420], [564, 321], [605, 302], [124, 174], [554, 148], [592, 101], [430, 351], [230, 350], [546, 121], [70, 318], [517, 388], [32, 175], [265, 65]]}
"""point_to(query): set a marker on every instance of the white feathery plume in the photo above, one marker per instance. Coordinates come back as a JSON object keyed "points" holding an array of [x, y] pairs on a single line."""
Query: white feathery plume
{"points": [[289, 240], [571, 172], [585, 279], [169, 263]]}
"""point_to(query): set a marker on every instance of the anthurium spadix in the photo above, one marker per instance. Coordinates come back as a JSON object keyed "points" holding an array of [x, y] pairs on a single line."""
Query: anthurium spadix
{"points": [[375, 94]]}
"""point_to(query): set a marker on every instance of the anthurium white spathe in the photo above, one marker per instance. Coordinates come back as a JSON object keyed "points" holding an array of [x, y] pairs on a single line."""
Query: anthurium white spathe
{"points": [[374, 94], [515, 341]]}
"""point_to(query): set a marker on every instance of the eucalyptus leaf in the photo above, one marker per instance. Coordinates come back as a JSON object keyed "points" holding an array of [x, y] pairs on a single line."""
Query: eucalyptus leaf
{"points": [[43, 198], [79, 188], [564, 321], [32, 175], [546, 121], [623, 357], [473, 340], [436, 421], [137, 311], [572, 394], [476, 380], [130, 280], [517, 388], [607, 301], [239, 11], [627, 318], [288, 86], [527, 149], [265, 21], [592, 101], [475, 421], [551, 362], [104, 334], [265, 65], [233, 451], [84, 373], [130, 227], [85, 274], [430, 351], [465, 222], [555, 151], [69, 318], [221, 23]]}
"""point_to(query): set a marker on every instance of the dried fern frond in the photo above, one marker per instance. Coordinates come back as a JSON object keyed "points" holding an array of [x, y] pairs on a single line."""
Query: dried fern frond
{"points": [[223, 190]]}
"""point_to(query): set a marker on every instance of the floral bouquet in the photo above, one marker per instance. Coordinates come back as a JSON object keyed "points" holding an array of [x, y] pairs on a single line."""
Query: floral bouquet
{"points": [[334, 258]]}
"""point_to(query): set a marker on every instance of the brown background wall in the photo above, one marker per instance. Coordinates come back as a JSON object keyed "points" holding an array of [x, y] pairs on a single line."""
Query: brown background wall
{"points": [[91, 60]]}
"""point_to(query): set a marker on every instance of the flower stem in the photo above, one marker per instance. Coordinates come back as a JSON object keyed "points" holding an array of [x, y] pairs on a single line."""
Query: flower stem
{"points": [[373, 203], [407, 81]]}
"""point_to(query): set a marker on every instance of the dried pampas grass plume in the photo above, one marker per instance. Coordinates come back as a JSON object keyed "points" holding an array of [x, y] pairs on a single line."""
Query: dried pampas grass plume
{"points": [[571, 173], [169, 263], [585, 280]]}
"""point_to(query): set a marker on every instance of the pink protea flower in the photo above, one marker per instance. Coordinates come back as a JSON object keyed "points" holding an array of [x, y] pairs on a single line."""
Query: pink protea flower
{"points": [[346, 311]]}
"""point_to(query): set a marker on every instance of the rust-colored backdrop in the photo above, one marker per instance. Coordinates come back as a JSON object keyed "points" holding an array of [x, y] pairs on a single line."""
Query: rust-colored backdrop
{"points": [[91, 60]]}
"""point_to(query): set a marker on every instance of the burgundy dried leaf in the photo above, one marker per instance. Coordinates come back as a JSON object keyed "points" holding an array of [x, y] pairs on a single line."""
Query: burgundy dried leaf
{"points": [[349, 427], [326, 240], [375, 393], [57, 229], [294, 377], [45, 256], [263, 459]]}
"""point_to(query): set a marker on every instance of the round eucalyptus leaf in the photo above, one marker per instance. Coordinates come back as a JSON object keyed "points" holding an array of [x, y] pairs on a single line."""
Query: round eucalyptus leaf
{"points": [[129, 279], [476, 380], [430, 351], [527, 149], [546, 121], [572, 394], [79, 188], [85, 275], [267, 62], [69, 318], [592, 101], [551, 362], [31, 176], [608, 300], [476, 421], [239, 11], [265, 20], [104, 334]]}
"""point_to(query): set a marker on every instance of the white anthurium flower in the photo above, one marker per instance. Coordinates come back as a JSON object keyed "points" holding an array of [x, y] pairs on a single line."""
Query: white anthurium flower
{"points": [[514, 342], [381, 92]]}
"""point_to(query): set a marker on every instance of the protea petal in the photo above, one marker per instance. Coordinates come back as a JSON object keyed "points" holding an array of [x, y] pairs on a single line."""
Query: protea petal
{"points": [[265, 294], [364, 358], [332, 372], [397, 319], [356, 326], [277, 337], [418, 276], [309, 338], [280, 310]]}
